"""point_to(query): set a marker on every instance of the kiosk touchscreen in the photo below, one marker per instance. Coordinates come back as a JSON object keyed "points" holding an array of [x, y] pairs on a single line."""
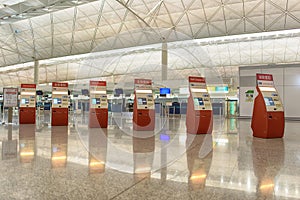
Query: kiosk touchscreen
{"points": [[60, 104], [199, 116], [268, 112], [144, 107], [98, 115], [27, 104]]}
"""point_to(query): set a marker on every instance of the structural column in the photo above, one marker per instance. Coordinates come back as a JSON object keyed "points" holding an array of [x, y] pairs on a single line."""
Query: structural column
{"points": [[36, 72], [164, 62]]}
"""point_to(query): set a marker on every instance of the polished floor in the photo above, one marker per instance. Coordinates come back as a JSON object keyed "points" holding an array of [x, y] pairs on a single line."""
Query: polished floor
{"points": [[75, 162]]}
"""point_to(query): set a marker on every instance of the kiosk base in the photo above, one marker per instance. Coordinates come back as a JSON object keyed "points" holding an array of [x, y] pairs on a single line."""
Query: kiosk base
{"points": [[27, 116], [98, 118], [199, 122], [144, 120], [59, 117], [269, 125], [266, 124]]}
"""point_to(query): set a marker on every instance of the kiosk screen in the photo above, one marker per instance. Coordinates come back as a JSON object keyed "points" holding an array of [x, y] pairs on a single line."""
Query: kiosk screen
{"points": [[142, 101], [198, 101], [57, 101], [95, 101], [269, 101], [24, 101]]}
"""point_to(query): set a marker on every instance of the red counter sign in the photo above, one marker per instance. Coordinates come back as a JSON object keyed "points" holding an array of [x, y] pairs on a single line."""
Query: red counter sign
{"points": [[28, 86], [143, 81], [97, 83], [264, 77], [56, 84], [196, 79]]}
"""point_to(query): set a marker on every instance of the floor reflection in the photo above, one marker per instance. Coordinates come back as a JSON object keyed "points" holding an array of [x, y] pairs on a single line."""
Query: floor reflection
{"points": [[97, 150], [27, 147], [268, 159], [199, 158], [143, 153], [59, 146]]}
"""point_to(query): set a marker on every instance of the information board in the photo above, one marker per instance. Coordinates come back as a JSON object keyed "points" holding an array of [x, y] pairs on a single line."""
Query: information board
{"points": [[10, 97]]}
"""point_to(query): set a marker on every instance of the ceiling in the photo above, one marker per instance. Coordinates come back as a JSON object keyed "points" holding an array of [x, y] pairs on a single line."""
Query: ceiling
{"points": [[45, 29]]}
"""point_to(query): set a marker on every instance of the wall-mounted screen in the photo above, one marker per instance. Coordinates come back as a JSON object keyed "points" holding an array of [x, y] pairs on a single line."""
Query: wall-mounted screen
{"points": [[269, 101], [142, 101], [56, 100], [165, 91], [24, 101], [95, 101], [198, 101]]}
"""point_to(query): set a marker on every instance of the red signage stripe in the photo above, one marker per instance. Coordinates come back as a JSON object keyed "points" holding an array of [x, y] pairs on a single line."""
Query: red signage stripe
{"points": [[264, 77], [97, 83], [143, 81], [28, 86], [197, 79], [57, 84]]}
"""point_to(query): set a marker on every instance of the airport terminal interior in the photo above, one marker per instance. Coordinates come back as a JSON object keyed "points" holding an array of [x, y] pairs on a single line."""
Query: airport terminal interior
{"points": [[150, 99]]}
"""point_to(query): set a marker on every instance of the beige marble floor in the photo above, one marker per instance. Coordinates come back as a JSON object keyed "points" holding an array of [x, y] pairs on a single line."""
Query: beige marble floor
{"points": [[75, 162]]}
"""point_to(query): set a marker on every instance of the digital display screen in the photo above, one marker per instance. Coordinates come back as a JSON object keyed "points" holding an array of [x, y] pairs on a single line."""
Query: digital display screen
{"points": [[24, 101], [57, 101], [269, 101], [95, 101], [142, 101], [198, 101], [165, 91]]}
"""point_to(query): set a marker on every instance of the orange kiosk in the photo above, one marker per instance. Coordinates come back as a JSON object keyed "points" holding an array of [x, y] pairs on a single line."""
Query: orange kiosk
{"points": [[268, 113], [60, 103], [199, 116], [27, 104], [98, 115], [143, 109]]}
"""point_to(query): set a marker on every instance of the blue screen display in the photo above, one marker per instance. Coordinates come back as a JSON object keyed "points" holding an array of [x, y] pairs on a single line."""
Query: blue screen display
{"points": [[165, 91]]}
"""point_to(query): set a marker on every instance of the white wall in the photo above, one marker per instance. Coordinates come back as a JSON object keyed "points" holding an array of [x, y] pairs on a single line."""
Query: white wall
{"points": [[287, 83]]}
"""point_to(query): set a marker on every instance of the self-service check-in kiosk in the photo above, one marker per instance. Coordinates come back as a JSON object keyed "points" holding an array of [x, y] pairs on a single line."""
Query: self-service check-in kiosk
{"points": [[27, 104], [199, 116], [144, 108], [60, 103], [268, 113], [98, 115]]}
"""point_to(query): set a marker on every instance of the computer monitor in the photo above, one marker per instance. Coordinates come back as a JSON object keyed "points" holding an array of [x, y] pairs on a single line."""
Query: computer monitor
{"points": [[165, 91], [85, 92]]}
